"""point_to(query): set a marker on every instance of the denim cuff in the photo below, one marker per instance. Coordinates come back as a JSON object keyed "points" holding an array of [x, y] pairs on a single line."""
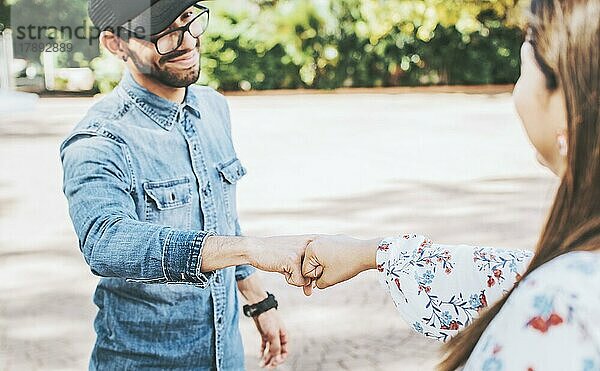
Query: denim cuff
{"points": [[182, 257], [243, 271]]}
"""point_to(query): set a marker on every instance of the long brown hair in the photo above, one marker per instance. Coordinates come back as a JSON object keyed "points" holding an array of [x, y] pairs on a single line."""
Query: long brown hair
{"points": [[566, 41]]}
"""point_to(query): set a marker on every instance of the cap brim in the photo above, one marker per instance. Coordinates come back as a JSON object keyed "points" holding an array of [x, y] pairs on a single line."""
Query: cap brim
{"points": [[158, 17]]}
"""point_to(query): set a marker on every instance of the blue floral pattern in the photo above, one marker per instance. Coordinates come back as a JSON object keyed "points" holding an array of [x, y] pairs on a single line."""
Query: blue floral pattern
{"points": [[548, 323], [419, 273]]}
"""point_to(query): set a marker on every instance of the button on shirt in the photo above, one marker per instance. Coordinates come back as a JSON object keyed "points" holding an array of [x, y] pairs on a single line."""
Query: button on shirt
{"points": [[146, 181]]}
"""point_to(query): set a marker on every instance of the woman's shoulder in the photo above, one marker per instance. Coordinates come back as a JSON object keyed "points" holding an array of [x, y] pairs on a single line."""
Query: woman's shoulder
{"points": [[553, 314], [565, 292], [567, 271], [572, 277]]}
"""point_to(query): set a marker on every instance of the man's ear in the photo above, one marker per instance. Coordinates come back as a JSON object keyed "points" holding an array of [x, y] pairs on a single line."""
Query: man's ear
{"points": [[114, 44]]}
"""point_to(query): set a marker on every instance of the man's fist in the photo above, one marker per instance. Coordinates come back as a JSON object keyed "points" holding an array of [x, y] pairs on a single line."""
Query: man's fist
{"points": [[281, 254], [329, 260]]}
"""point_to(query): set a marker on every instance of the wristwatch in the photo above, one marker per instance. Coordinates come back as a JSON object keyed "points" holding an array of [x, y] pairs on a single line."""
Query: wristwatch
{"points": [[259, 308]]}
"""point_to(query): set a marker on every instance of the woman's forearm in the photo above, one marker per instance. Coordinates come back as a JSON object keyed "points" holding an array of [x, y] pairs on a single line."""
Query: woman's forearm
{"points": [[439, 289]]}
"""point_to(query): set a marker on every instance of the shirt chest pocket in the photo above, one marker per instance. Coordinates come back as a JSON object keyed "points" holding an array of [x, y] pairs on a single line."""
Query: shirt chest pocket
{"points": [[231, 172], [169, 202]]}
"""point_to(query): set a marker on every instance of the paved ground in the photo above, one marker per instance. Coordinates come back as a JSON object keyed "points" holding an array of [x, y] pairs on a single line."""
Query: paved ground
{"points": [[452, 166]]}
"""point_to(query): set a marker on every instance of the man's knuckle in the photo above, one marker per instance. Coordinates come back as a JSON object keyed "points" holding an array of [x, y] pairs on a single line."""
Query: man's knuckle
{"points": [[309, 250]]}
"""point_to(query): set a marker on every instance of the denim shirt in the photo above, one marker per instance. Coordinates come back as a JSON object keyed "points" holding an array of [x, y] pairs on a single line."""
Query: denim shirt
{"points": [[147, 180]]}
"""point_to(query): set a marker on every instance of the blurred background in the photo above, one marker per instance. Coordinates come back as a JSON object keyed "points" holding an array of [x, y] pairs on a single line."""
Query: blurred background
{"points": [[364, 117], [285, 44]]}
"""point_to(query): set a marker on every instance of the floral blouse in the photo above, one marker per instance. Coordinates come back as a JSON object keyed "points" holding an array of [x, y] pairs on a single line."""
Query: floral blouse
{"points": [[549, 322]]}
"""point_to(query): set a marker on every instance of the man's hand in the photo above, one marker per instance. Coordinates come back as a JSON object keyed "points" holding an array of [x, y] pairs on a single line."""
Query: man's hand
{"points": [[271, 254], [280, 254], [333, 259], [274, 339]]}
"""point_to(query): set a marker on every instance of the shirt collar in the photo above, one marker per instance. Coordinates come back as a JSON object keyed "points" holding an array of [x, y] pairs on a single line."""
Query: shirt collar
{"points": [[163, 112]]}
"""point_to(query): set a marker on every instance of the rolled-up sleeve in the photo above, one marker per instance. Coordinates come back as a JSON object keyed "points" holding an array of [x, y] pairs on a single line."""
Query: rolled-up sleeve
{"points": [[115, 243]]}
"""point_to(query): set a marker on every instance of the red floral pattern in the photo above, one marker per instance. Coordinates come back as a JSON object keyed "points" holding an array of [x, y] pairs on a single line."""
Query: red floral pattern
{"points": [[548, 323], [419, 274]]}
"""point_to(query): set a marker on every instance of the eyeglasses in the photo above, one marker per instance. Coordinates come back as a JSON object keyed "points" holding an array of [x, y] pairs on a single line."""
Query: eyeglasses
{"points": [[172, 40]]}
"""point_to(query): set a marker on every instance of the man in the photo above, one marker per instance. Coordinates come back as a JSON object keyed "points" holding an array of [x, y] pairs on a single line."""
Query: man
{"points": [[150, 175]]}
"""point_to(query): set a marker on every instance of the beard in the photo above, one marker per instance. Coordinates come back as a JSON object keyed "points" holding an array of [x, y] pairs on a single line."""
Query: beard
{"points": [[160, 72]]}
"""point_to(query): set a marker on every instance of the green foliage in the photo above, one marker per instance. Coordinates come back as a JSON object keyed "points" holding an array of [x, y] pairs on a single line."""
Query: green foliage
{"points": [[108, 70], [62, 15], [327, 44]]}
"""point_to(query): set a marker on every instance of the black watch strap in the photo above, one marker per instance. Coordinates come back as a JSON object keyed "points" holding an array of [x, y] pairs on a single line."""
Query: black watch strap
{"points": [[261, 307]]}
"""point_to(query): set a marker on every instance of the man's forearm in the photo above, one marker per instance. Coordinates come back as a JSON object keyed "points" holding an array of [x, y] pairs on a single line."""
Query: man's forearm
{"points": [[281, 254], [220, 252], [252, 290]]}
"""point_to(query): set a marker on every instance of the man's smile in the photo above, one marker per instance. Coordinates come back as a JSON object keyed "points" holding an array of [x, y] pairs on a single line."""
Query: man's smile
{"points": [[187, 60]]}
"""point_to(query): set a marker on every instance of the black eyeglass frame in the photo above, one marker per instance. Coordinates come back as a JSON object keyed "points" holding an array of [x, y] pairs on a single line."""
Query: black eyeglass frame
{"points": [[182, 30]]}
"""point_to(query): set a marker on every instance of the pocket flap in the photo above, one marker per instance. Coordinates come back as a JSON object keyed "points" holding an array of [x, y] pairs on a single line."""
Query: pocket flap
{"points": [[169, 194], [232, 171]]}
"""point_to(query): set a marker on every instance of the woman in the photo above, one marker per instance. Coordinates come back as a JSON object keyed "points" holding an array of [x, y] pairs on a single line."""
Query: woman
{"points": [[536, 311]]}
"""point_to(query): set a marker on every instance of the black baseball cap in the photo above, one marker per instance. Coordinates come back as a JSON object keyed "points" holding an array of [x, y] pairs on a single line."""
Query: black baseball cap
{"points": [[145, 17]]}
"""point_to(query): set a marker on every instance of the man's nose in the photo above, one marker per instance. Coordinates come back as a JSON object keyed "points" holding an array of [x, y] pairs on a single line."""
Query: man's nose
{"points": [[189, 41]]}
